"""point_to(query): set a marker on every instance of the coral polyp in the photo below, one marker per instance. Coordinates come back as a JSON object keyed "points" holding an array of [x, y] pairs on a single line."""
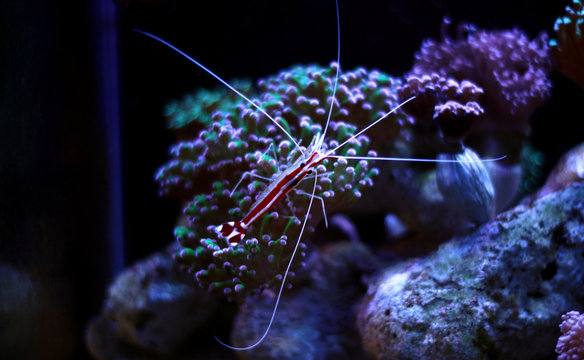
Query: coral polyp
{"points": [[571, 343], [444, 109]]}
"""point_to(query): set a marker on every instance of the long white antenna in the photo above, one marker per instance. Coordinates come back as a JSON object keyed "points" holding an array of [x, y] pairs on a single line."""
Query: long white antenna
{"points": [[283, 278], [330, 153], [370, 125], [221, 80], [413, 159], [338, 70]]}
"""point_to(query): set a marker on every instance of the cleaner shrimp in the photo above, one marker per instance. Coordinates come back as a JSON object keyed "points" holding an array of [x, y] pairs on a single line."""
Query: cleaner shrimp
{"points": [[304, 167]]}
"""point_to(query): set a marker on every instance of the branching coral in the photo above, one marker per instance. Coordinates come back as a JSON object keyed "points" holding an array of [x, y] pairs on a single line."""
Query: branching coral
{"points": [[571, 343], [204, 170], [510, 68], [568, 48]]}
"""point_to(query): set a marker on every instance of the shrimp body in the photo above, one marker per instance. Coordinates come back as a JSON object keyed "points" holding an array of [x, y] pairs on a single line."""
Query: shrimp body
{"points": [[286, 181]]}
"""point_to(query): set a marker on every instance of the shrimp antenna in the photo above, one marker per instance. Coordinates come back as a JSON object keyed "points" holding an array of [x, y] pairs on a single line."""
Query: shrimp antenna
{"points": [[221, 80], [331, 152], [328, 120], [415, 159], [283, 278], [370, 125]]}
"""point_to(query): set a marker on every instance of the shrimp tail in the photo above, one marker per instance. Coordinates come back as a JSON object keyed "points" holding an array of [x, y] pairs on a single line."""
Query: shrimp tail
{"points": [[233, 231]]}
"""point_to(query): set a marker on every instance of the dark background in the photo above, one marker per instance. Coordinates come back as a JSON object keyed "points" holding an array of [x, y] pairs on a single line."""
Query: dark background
{"points": [[82, 133]]}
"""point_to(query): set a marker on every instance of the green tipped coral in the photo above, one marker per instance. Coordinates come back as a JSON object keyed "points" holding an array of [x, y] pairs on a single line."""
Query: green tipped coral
{"points": [[568, 48], [195, 111], [237, 140]]}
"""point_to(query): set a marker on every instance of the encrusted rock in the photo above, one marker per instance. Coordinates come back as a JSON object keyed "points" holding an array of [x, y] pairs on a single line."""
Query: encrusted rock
{"points": [[152, 310], [496, 293]]}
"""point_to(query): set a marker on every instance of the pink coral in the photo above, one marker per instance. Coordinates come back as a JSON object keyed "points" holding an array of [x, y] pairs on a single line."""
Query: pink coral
{"points": [[510, 68], [571, 343]]}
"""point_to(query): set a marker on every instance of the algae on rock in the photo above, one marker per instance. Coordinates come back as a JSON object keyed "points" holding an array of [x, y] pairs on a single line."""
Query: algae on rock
{"points": [[496, 293]]}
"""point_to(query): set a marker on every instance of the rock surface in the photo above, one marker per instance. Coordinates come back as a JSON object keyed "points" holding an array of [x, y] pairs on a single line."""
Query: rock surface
{"points": [[155, 311], [496, 293], [318, 320]]}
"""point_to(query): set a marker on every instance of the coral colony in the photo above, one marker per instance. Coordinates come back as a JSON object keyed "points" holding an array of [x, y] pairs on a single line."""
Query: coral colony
{"points": [[512, 71], [238, 140]]}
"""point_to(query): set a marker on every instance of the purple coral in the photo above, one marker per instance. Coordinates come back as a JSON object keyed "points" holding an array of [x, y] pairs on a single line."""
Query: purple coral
{"points": [[512, 70], [568, 48], [455, 119], [444, 109], [571, 343]]}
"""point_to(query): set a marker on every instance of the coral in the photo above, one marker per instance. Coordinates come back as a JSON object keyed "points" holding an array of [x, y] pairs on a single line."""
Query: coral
{"points": [[362, 95], [505, 76], [494, 293], [443, 110], [194, 111], [571, 343], [568, 49], [437, 120], [455, 119], [237, 138], [511, 69]]}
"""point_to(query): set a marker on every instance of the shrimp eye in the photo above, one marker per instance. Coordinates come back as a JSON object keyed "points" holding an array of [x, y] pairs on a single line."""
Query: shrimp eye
{"points": [[302, 164], [310, 172]]}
